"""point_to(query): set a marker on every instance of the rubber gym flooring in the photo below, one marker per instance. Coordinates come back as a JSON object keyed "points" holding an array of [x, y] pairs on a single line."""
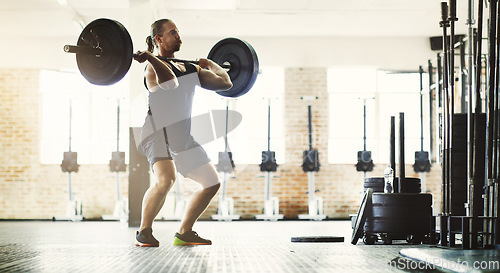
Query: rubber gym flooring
{"points": [[238, 246]]}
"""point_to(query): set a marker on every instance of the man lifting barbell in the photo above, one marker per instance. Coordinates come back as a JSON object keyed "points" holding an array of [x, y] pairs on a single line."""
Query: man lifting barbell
{"points": [[171, 87], [104, 54]]}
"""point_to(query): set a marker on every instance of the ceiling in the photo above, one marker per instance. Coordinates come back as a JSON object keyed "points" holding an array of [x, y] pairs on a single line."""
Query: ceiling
{"points": [[251, 18]]}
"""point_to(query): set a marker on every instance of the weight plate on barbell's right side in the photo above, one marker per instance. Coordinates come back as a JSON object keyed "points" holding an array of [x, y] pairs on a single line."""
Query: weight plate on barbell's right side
{"points": [[244, 64], [113, 64]]}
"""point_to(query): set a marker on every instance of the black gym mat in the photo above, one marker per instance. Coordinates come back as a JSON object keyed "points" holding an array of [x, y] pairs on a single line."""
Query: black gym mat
{"points": [[318, 239]]}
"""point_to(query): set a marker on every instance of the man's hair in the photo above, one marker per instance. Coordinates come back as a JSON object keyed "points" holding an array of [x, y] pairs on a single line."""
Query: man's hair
{"points": [[156, 28]]}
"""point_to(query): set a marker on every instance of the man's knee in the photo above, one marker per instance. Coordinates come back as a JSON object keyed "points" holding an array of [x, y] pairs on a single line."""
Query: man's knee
{"points": [[164, 183], [212, 190]]}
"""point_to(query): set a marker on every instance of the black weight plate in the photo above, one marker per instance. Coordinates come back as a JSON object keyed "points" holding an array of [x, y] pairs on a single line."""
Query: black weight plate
{"points": [[411, 184], [374, 180], [385, 225], [364, 209], [244, 64], [375, 183], [317, 239], [402, 199], [375, 189], [112, 65], [403, 213]]}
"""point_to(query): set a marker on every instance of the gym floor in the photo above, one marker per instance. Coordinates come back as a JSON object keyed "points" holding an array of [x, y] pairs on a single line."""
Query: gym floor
{"points": [[238, 246]]}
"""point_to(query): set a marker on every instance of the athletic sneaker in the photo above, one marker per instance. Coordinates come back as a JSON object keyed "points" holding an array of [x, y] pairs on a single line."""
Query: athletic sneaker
{"points": [[190, 238], [145, 238]]}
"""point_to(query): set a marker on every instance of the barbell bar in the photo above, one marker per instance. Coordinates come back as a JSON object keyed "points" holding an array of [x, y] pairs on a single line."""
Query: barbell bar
{"points": [[104, 54], [97, 52]]}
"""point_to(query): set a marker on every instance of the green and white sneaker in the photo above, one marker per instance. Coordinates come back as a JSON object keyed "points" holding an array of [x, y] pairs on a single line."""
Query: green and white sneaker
{"points": [[190, 238]]}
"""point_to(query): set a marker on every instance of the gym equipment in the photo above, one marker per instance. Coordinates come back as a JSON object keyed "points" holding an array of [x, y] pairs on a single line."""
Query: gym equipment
{"points": [[310, 165], [117, 165], [399, 216], [70, 164], [317, 239], [365, 161], [458, 215], [225, 209], [360, 219], [492, 135], [392, 151], [445, 122], [268, 165], [70, 159], [410, 184], [374, 183], [450, 107], [475, 161], [432, 94], [422, 163], [394, 216], [104, 53], [465, 137], [469, 141], [476, 150], [241, 60], [226, 163], [310, 161], [310, 157], [117, 162], [401, 153]]}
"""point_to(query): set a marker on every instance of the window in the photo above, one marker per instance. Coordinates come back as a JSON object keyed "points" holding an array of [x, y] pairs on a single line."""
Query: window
{"points": [[93, 118], [385, 94], [94, 112], [248, 139]]}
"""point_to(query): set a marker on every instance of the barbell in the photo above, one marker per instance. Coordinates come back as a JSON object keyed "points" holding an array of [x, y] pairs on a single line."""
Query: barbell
{"points": [[104, 54]]}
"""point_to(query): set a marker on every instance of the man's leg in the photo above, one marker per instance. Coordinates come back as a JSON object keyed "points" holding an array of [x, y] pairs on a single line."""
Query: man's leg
{"points": [[154, 198], [207, 176]]}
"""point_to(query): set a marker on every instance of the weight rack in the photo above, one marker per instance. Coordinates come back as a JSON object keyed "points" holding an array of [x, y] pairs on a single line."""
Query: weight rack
{"points": [[469, 136]]}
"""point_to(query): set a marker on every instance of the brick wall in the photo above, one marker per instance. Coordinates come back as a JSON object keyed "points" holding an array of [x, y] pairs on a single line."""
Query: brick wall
{"points": [[18, 138], [30, 190]]}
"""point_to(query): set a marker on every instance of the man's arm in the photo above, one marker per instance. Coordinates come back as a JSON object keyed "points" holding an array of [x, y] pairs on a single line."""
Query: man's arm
{"points": [[214, 77], [159, 75]]}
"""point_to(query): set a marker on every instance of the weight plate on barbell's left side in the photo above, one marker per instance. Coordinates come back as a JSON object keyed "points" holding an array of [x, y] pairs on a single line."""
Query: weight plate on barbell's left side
{"points": [[244, 64], [114, 62]]}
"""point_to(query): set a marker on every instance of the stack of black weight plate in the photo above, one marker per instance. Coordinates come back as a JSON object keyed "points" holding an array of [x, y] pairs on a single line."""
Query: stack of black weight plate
{"points": [[399, 216], [405, 215]]}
